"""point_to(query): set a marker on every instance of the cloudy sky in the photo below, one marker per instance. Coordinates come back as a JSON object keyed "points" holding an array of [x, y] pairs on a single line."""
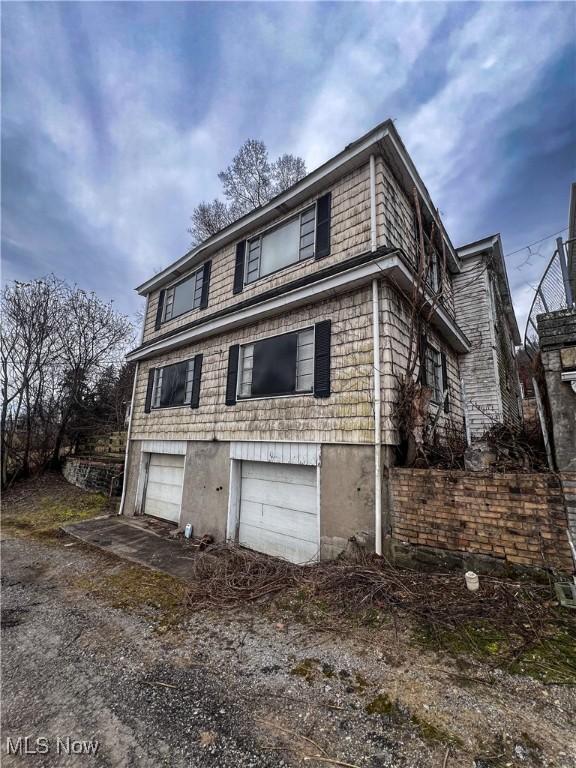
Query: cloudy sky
{"points": [[117, 116]]}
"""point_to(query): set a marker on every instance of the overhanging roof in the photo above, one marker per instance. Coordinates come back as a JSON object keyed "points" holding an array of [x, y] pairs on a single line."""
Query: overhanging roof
{"points": [[328, 282], [384, 138]]}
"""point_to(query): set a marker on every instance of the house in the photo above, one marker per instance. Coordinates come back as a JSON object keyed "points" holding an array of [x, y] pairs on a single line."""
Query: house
{"points": [[484, 312], [272, 355]]}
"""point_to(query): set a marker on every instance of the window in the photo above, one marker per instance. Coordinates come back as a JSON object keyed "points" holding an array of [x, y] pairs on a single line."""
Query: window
{"points": [[281, 365], [184, 296], [173, 385], [279, 247], [434, 275], [434, 373]]}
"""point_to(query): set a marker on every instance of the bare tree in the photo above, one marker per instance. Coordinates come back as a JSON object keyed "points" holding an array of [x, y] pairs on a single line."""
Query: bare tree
{"points": [[250, 181], [57, 341]]}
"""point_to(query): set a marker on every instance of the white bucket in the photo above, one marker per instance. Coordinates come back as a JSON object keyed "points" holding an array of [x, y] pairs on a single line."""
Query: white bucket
{"points": [[472, 581], [188, 531]]}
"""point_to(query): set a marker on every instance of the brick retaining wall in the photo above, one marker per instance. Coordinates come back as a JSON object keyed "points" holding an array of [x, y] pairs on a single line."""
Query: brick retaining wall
{"points": [[520, 519], [94, 475]]}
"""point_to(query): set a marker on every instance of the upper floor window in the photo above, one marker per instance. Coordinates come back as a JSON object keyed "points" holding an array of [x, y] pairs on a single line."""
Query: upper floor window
{"points": [[280, 365], [184, 296], [173, 385], [434, 373], [277, 248]]}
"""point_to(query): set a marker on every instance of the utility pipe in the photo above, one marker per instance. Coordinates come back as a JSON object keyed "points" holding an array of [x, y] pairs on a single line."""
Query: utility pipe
{"points": [[377, 379], [123, 497]]}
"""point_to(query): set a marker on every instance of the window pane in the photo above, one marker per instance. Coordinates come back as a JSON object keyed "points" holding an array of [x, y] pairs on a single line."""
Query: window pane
{"points": [[280, 247], [274, 366], [305, 364], [185, 296], [246, 359], [189, 380], [253, 264], [173, 389]]}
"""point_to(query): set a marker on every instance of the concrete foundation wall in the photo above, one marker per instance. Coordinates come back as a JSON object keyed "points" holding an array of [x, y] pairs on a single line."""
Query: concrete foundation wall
{"points": [[206, 488], [557, 332], [346, 497], [132, 470]]}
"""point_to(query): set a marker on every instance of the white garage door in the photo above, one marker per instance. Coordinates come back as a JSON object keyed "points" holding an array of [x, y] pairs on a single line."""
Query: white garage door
{"points": [[278, 510], [164, 486]]}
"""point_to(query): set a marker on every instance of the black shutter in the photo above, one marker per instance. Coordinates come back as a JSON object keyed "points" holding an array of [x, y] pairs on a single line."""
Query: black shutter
{"points": [[322, 359], [323, 207], [195, 399], [239, 268], [149, 389], [445, 382], [232, 375], [160, 309], [422, 355], [205, 285]]}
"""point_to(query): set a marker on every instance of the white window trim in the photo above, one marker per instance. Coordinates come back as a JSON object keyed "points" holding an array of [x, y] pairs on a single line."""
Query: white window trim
{"points": [[278, 225], [157, 375], [296, 393]]}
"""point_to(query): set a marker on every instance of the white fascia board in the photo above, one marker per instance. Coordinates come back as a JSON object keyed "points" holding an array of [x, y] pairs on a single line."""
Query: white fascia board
{"points": [[346, 160], [473, 249], [390, 266]]}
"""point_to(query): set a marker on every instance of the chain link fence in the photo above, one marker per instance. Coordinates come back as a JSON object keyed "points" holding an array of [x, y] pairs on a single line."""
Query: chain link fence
{"points": [[553, 293]]}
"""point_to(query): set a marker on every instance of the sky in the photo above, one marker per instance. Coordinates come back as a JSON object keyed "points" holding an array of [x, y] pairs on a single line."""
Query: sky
{"points": [[117, 117]]}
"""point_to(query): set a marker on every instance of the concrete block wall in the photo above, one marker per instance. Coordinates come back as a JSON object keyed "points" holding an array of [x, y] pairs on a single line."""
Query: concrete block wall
{"points": [[94, 475], [519, 519]]}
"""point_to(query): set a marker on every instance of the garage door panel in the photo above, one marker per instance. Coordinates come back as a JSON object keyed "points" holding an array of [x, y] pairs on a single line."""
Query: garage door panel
{"points": [[278, 510], [162, 508], [297, 497], [278, 520], [287, 547], [164, 486], [286, 473]]}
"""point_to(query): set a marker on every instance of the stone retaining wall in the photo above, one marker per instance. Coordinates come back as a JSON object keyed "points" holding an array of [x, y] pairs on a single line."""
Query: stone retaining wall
{"points": [[94, 474], [517, 519]]}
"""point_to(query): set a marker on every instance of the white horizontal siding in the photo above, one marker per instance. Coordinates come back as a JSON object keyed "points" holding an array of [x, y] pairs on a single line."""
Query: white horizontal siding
{"points": [[307, 454]]}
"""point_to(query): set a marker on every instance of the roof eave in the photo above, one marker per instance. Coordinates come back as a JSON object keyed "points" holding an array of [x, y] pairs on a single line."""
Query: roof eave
{"points": [[383, 135]]}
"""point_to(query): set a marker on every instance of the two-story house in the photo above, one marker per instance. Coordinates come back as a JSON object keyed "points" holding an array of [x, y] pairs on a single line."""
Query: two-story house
{"points": [[485, 313], [272, 354]]}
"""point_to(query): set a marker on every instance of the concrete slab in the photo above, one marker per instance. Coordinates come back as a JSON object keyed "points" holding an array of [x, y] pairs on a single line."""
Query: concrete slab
{"points": [[131, 541]]}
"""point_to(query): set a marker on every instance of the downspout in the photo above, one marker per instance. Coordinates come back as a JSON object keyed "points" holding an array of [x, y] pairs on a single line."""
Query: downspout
{"points": [[142, 331], [377, 389], [123, 497]]}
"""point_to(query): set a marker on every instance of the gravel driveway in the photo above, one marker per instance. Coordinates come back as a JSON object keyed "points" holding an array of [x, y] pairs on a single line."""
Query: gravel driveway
{"points": [[244, 687]]}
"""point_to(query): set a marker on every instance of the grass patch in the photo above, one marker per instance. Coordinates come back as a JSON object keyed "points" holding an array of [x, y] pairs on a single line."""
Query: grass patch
{"points": [[382, 705], [43, 517], [158, 597], [306, 669], [433, 734], [550, 658]]}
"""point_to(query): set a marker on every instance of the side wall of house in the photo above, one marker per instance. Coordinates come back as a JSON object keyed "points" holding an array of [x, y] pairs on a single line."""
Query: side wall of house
{"points": [[478, 368], [398, 344], [506, 359]]}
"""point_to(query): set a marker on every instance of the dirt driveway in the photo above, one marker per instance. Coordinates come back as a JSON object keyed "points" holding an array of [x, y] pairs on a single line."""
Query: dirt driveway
{"points": [[94, 649]]}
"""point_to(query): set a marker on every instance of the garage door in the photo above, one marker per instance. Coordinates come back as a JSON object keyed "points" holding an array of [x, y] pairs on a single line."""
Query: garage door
{"points": [[278, 510], [164, 486]]}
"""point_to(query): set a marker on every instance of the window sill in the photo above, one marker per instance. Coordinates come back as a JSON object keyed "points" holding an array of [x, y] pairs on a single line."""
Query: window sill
{"points": [[168, 407], [247, 398]]}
